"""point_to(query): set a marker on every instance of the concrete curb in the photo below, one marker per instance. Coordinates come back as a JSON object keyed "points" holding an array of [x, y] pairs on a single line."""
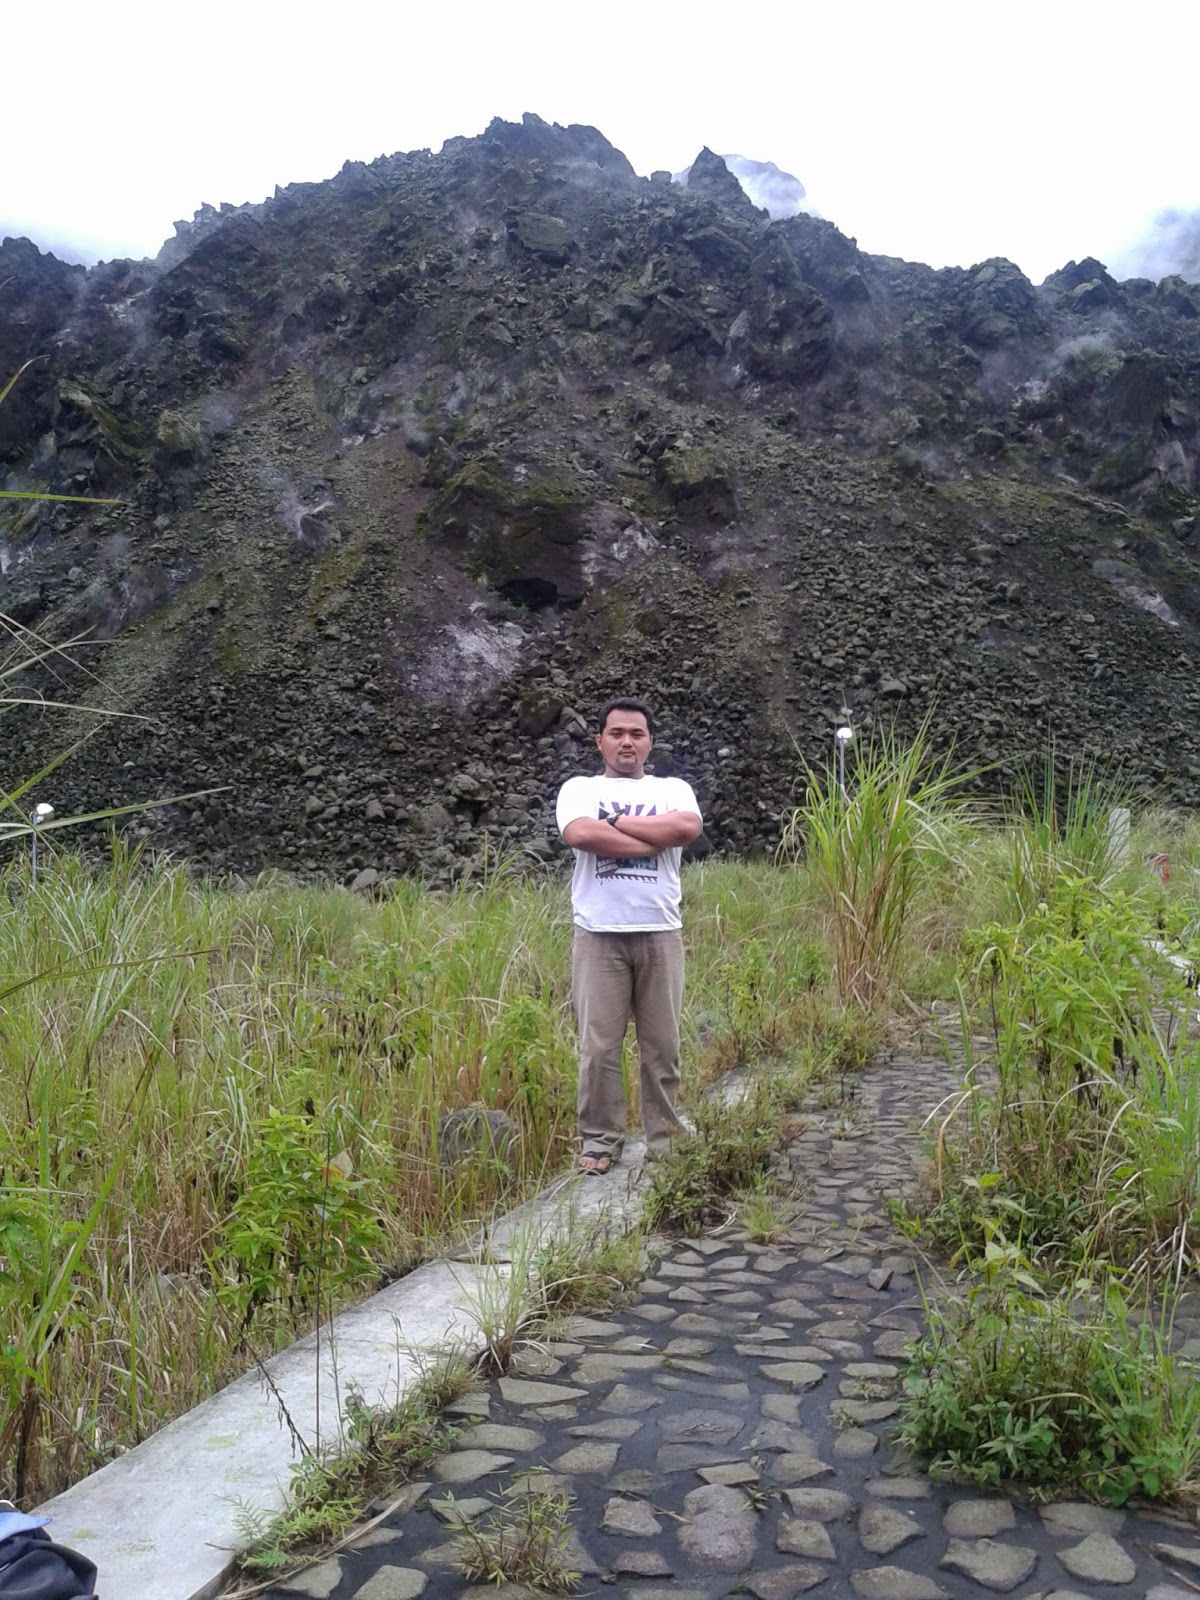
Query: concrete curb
{"points": [[161, 1522]]}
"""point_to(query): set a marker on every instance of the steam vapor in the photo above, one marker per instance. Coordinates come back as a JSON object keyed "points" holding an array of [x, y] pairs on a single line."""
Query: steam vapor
{"points": [[1171, 248], [776, 192]]}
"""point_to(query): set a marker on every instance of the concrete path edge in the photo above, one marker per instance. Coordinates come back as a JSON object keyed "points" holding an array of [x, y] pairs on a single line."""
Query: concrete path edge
{"points": [[162, 1521]]}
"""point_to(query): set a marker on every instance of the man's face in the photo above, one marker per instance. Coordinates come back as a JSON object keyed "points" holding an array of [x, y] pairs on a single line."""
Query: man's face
{"points": [[624, 744]]}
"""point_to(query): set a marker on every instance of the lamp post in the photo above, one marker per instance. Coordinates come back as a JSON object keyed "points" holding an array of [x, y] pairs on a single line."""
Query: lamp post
{"points": [[842, 737], [42, 814]]}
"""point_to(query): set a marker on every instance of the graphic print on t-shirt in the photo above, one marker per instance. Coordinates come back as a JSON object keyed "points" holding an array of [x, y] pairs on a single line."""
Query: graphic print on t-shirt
{"points": [[642, 868]]}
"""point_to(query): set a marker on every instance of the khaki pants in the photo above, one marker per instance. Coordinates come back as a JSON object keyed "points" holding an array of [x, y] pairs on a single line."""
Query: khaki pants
{"points": [[615, 976]]}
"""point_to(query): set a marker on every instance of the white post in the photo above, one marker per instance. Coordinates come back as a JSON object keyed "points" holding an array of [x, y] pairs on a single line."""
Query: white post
{"points": [[42, 814], [842, 738]]}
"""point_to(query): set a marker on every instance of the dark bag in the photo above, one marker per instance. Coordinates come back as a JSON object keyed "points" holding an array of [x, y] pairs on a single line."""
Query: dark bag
{"points": [[33, 1567]]}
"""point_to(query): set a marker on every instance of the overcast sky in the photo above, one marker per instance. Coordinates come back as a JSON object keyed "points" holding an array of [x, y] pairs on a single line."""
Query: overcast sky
{"points": [[942, 132]]}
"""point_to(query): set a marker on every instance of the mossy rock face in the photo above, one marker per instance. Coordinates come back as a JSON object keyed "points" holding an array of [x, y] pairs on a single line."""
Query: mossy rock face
{"points": [[84, 419], [988, 442], [1174, 503], [1180, 296], [18, 521], [440, 465], [1000, 305], [1124, 467], [652, 622], [477, 493], [39, 291], [672, 325], [1141, 392], [1041, 402], [332, 575], [178, 442], [699, 482], [827, 260], [522, 538]]}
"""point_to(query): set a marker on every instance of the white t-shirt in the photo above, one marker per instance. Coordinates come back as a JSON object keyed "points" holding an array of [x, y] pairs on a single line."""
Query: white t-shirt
{"points": [[625, 894]]}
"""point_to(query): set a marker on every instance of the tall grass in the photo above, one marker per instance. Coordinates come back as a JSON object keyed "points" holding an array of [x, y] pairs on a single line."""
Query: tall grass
{"points": [[1078, 1131], [166, 1025], [220, 1106], [1059, 825], [1066, 1179], [867, 848]]}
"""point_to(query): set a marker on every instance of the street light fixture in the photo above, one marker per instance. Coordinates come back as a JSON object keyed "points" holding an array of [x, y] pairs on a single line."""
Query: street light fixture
{"points": [[42, 814]]}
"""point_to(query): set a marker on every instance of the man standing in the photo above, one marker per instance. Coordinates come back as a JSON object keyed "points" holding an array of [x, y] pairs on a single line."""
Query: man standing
{"points": [[627, 831]]}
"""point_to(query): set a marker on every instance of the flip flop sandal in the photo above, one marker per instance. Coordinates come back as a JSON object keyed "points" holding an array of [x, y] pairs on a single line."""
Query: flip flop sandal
{"points": [[594, 1165]]}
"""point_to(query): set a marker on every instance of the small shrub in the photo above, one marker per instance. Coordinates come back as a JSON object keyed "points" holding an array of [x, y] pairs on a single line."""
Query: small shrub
{"points": [[765, 1212], [1066, 1392], [822, 1070], [514, 1297], [1058, 827], [845, 1041], [524, 1541], [732, 1147], [507, 1301], [748, 990], [590, 1269], [765, 986], [380, 1005], [1067, 985], [300, 1228]]}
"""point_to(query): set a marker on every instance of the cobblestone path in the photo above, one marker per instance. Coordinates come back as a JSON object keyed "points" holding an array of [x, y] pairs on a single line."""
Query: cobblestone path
{"points": [[728, 1430]]}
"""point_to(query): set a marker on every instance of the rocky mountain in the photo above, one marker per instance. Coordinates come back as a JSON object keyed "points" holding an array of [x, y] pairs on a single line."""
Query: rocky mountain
{"points": [[414, 468]]}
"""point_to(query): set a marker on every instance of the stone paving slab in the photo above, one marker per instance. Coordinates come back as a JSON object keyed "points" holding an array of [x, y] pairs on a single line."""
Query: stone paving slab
{"points": [[729, 1430]]}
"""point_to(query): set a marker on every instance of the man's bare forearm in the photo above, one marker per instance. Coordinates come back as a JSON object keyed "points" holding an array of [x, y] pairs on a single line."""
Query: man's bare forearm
{"points": [[602, 839], [665, 832]]}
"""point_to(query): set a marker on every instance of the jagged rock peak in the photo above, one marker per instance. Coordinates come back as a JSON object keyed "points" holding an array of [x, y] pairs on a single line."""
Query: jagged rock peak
{"points": [[203, 224], [25, 265], [766, 186], [709, 178], [535, 139]]}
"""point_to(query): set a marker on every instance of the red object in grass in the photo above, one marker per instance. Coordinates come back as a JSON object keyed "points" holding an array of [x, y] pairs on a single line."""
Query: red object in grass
{"points": [[1160, 864]]}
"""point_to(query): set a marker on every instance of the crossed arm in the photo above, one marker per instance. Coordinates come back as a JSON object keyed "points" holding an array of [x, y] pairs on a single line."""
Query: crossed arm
{"points": [[633, 836]]}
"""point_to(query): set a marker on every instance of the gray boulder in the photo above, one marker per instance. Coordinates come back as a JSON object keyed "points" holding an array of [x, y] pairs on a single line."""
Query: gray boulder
{"points": [[472, 1132]]}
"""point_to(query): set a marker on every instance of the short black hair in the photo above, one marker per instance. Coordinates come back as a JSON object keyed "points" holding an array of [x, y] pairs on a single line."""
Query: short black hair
{"points": [[626, 705]]}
